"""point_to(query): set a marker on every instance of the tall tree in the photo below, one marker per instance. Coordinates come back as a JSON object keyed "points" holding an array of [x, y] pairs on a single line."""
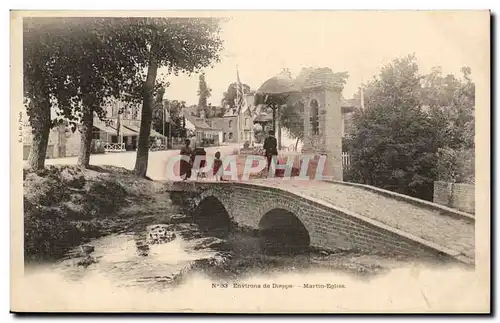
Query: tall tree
{"points": [[104, 71], [160, 120], [204, 92], [173, 120], [181, 45], [292, 119], [394, 143], [44, 72], [83, 69], [450, 101], [229, 97]]}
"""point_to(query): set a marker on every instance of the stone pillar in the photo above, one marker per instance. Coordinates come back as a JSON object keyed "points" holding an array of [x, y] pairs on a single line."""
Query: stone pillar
{"points": [[333, 134], [328, 141]]}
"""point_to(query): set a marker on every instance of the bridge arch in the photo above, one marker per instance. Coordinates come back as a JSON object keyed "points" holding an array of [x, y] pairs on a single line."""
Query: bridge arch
{"points": [[212, 216], [282, 232], [287, 204]]}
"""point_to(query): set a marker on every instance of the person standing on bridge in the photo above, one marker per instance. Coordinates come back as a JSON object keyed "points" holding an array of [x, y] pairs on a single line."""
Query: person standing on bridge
{"points": [[270, 147], [185, 171]]}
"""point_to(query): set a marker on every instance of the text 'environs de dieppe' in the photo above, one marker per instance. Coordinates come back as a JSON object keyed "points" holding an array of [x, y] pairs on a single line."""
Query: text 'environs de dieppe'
{"points": [[278, 286]]}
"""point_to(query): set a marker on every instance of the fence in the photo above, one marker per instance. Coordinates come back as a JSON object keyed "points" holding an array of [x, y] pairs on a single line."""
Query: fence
{"points": [[346, 160], [111, 147]]}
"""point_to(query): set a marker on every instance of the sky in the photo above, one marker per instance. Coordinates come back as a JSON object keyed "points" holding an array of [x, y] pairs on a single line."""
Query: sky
{"points": [[261, 44]]}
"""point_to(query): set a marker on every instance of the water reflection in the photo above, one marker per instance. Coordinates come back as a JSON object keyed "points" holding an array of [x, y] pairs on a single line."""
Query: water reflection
{"points": [[120, 259], [281, 245]]}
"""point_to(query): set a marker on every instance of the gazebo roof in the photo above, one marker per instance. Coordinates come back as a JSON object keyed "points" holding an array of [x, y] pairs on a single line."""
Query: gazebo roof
{"points": [[308, 78], [322, 77], [281, 83]]}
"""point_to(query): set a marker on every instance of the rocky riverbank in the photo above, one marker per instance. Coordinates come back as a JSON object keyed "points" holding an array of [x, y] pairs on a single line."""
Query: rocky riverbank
{"points": [[65, 206]]}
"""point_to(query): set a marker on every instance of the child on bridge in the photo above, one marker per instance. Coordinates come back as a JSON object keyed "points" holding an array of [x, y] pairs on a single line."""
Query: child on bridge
{"points": [[217, 171]]}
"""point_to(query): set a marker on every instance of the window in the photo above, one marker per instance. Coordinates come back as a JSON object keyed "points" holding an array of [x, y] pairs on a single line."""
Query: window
{"points": [[230, 124], [314, 118], [230, 136], [96, 133], [246, 122]]}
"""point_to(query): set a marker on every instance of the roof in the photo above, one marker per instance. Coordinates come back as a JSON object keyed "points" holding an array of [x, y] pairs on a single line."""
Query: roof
{"points": [[263, 118], [322, 77], [129, 131], [346, 105], [260, 109], [304, 74], [231, 112], [308, 78], [281, 83], [154, 133], [103, 127], [200, 123]]}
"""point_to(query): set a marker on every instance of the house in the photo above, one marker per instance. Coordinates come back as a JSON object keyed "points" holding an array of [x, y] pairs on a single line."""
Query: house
{"points": [[63, 142], [120, 131], [203, 130], [348, 107], [231, 122], [229, 126]]}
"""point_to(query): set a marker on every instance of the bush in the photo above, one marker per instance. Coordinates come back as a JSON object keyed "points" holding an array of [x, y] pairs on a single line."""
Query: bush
{"points": [[246, 144], [44, 190], [46, 231], [456, 166], [100, 203]]}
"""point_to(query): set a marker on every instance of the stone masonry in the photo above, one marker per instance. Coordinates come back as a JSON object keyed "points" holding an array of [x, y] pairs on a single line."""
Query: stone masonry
{"points": [[456, 195], [329, 227], [319, 89]]}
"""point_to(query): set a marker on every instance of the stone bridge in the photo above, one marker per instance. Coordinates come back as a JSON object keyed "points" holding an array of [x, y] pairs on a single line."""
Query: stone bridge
{"points": [[338, 215]]}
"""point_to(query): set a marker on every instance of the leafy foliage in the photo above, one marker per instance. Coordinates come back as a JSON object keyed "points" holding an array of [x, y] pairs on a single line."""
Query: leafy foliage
{"points": [[408, 117], [179, 44], [204, 92], [229, 97], [174, 121], [77, 65], [456, 166]]}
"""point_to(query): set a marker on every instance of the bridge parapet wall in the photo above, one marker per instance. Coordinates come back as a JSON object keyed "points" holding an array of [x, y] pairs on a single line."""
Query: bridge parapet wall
{"points": [[329, 228]]}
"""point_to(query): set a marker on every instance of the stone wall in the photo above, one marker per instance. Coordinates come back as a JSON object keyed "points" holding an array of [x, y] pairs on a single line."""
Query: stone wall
{"points": [[329, 228], [455, 195], [457, 166], [328, 142]]}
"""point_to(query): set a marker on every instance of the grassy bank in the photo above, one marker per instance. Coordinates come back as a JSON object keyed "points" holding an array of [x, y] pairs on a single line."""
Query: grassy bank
{"points": [[66, 205]]}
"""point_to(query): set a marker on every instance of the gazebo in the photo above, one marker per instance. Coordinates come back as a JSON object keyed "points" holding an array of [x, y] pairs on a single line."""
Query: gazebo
{"points": [[319, 90]]}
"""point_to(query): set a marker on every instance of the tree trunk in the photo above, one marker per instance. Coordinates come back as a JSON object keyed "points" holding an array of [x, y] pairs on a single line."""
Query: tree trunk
{"points": [[297, 143], [274, 121], [279, 130], [141, 162], [86, 137], [40, 124]]}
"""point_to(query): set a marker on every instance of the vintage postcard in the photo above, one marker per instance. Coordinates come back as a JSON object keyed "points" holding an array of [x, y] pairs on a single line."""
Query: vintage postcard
{"points": [[250, 161]]}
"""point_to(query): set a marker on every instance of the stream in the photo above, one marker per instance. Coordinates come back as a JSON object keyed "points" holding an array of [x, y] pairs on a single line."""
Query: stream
{"points": [[137, 258]]}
